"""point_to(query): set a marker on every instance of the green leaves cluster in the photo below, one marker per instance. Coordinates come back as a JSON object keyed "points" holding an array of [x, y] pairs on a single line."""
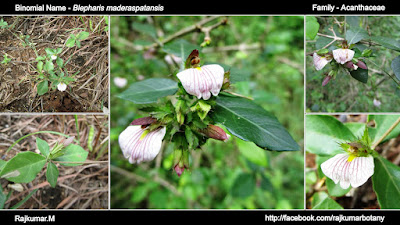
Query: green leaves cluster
{"points": [[324, 134], [75, 40], [24, 167]]}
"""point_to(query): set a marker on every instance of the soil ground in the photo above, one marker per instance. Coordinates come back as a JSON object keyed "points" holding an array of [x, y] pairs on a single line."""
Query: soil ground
{"points": [[19, 79], [78, 187]]}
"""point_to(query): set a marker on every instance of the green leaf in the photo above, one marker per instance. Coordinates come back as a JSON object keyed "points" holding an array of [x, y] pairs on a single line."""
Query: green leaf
{"points": [[386, 183], [73, 154], [328, 203], [250, 122], [243, 186], [43, 87], [149, 91], [2, 164], [396, 66], [3, 198], [52, 174], [236, 74], [43, 147], [48, 66], [335, 189], [70, 42], [24, 167], [253, 153], [353, 21], [323, 134], [356, 34], [40, 66], [360, 75], [50, 51], [356, 128], [382, 124], [145, 29], [82, 35], [312, 27], [387, 42], [60, 62]]}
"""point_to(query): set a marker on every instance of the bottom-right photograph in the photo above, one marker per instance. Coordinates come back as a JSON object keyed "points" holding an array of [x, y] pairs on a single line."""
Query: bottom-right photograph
{"points": [[352, 161]]}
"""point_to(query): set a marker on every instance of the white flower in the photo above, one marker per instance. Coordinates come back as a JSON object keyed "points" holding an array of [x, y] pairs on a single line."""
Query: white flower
{"points": [[201, 81], [343, 55], [53, 57], [120, 82], [377, 103], [61, 86], [138, 144], [320, 61], [348, 169]]}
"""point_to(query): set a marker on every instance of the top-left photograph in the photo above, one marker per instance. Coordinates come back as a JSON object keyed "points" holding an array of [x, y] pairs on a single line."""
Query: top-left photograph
{"points": [[54, 64]]}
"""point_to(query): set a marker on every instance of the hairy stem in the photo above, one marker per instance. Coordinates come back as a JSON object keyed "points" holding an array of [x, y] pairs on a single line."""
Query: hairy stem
{"points": [[386, 133]]}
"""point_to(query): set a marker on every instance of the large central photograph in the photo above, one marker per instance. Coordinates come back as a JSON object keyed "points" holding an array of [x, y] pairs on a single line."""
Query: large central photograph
{"points": [[207, 112]]}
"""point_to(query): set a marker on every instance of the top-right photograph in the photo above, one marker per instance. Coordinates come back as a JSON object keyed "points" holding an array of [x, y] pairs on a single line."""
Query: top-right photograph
{"points": [[352, 64]]}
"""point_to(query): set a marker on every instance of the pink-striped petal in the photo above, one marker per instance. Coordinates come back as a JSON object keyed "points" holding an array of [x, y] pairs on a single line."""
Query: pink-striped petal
{"points": [[342, 55], [347, 172], [202, 82], [138, 147], [320, 61]]}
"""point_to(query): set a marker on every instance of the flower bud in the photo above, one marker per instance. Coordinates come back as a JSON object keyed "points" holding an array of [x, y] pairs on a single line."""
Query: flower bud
{"points": [[143, 121], [326, 80], [181, 161], [215, 132], [362, 65], [68, 141]]}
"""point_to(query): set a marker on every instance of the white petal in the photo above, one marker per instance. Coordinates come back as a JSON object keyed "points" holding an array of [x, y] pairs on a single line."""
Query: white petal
{"points": [[320, 61], [362, 169], [354, 173], [120, 82], [343, 55], [61, 86], [201, 81], [137, 148]]}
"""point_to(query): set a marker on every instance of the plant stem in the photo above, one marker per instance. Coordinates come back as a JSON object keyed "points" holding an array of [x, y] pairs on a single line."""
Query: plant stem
{"points": [[397, 82], [386, 133], [39, 132], [77, 127]]}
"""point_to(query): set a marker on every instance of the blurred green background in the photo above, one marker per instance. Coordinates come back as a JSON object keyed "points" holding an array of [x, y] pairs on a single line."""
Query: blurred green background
{"points": [[231, 175], [345, 94]]}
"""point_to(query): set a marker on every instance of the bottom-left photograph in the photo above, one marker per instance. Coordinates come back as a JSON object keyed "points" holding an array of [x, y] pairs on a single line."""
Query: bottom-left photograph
{"points": [[54, 161]]}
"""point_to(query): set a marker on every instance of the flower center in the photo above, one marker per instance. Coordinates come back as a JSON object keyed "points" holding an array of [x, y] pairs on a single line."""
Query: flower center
{"points": [[144, 134]]}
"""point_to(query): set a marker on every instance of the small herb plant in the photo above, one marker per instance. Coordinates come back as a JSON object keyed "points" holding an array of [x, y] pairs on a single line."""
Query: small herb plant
{"points": [[25, 166], [56, 74], [5, 59]]}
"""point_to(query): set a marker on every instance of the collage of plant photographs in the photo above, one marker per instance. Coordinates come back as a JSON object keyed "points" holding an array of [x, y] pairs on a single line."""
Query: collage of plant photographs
{"points": [[199, 112]]}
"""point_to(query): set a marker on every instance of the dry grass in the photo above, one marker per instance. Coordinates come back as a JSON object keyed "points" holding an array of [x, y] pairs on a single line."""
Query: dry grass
{"points": [[79, 187], [18, 78]]}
